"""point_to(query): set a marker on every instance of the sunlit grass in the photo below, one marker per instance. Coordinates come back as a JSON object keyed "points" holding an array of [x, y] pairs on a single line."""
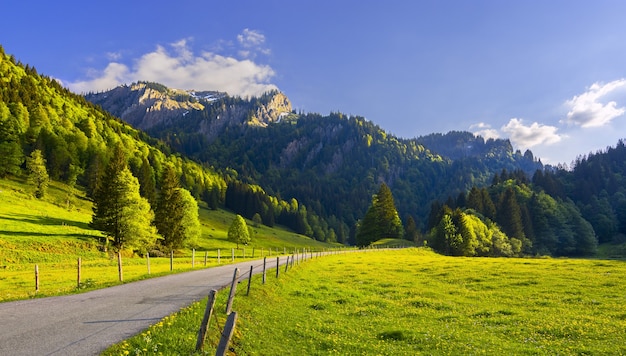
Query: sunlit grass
{"points": [[51, 234], [412, 302]]}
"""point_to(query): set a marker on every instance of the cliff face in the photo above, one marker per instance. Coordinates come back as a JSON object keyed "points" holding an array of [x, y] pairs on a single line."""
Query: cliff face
{"points": [[151, 105]]}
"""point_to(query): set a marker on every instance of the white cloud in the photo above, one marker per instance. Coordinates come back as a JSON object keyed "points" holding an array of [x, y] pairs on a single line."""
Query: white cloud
{"points": [[182, 69], [252, 42], [484, 130], [525, 137], [114, 56], [587, 110]]}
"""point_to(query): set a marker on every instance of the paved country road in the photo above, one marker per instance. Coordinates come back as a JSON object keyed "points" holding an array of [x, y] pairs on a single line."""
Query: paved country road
{"points": [[87, 323]]}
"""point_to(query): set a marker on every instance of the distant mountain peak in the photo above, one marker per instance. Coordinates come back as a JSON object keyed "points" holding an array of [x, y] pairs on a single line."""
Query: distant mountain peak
{"points": [[146, 105]]}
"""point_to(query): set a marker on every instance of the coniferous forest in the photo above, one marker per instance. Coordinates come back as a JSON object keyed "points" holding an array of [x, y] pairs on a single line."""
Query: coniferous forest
{"points": [[329, 177]]}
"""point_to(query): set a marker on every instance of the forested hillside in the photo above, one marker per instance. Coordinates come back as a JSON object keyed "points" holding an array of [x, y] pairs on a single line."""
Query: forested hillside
{"points": [[597, 185], [334, 163]]}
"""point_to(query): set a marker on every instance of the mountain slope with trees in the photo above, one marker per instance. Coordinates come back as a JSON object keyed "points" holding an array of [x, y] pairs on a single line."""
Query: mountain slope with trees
{"points": [[71, 140], [332, 164]]}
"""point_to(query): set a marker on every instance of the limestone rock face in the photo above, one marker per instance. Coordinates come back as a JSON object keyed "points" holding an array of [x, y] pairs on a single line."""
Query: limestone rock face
{"points": [[148, 105]]}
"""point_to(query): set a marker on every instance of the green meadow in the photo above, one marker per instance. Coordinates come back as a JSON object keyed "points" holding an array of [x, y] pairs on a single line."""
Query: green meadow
{"points": [[54, 232], [412, 302]]}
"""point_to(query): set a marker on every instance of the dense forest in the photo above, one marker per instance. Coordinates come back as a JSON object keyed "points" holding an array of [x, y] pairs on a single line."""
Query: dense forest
{"points": [[335, 163]]}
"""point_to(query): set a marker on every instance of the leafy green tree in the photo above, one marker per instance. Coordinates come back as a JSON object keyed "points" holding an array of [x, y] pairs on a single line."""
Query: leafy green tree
{"points": [[188, 218], [238, 231], [37, 173], [257, 220], [119, 210]]}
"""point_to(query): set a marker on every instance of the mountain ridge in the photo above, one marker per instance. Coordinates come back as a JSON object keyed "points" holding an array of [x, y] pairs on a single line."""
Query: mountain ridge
{"points": [[332, 163]]}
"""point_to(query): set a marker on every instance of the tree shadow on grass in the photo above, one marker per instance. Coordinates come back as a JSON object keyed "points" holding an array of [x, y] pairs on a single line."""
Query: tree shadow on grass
{"points": [[83, 237], [45, 220]]}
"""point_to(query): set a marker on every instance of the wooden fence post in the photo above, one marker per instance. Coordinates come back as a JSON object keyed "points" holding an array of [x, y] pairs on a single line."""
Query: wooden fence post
{"points": [[78, 265], [287, 264], [148, 261], [171, 260], [227, 334], [205, 320], [233, 288], [120, 272], [249, 281], [36, 278], [243, 252], [277, 266], [218, 256], [206, 255], [264, 262], [193, 257]]}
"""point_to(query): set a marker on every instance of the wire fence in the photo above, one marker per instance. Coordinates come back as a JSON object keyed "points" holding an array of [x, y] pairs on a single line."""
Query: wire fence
{"points": [[45, 279]]}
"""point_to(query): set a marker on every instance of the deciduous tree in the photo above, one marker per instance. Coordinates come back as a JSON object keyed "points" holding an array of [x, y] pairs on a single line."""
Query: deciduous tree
{"points": [[238, 231], [37, 173]]}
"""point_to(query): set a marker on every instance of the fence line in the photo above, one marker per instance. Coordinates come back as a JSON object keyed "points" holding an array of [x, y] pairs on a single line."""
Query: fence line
{"points": [[54, 277], [289, 262]]}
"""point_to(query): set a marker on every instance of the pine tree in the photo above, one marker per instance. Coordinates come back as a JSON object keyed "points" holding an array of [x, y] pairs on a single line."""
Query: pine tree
{"points": [[119, 211], [238, 231], [411, 231], [147, 182], [166, 207], [11, 155], [37, 173], [510, 215], [177, 212], [381, 219]]}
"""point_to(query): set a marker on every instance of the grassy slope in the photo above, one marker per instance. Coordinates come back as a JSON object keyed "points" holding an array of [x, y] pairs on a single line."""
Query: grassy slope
{"points": [[47, 233], [370, 304]]}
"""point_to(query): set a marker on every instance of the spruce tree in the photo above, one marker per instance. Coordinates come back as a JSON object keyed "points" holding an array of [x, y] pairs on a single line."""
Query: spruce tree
{"points": [[11, 155], [381, 220], [119, 211], [177, 212], [165, 220], [510, 215]]}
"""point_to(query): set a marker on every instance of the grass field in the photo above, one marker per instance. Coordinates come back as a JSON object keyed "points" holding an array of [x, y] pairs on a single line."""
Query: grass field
{"points": [[53, 234], [411, 302]]}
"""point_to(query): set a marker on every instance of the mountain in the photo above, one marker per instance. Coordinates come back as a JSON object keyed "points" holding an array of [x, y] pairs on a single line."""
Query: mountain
{"points": [[333, 164], [152, 106]]}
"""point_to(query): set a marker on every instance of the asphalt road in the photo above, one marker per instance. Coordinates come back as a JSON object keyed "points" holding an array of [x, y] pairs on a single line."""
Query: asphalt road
{"points": [[87, 323]]}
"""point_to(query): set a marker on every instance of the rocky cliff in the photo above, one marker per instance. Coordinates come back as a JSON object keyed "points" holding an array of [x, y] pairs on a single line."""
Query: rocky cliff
{"points": [[152, 106]]}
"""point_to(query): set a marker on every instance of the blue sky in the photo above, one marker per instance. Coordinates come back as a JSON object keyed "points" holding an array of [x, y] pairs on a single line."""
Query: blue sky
{"points": [[550, 75]]}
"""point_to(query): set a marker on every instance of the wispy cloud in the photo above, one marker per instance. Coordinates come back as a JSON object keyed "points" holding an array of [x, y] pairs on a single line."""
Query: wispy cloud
{"points": [[252, 43], [177, 66], [485, 130], [527, 136], [588, 110]]}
